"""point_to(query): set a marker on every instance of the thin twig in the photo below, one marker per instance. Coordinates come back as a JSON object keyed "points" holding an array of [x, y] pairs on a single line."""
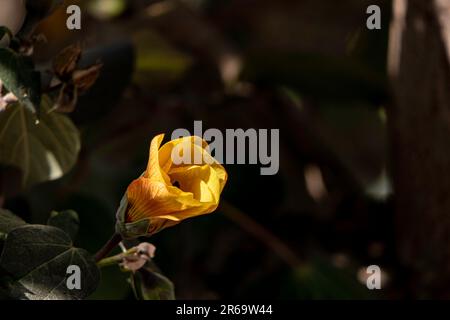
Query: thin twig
{"points": [[261, 233]]}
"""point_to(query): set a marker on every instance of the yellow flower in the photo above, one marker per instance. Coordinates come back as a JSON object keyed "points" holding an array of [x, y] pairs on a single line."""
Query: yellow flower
{"points": [[169, 191]]}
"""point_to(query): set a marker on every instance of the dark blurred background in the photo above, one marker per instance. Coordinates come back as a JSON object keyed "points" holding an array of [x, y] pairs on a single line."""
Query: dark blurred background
{"points": [[310, 68]]}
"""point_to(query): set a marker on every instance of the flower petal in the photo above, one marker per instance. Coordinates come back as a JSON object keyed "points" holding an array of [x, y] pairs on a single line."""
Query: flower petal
{"points": [[154, 171], [154, 198]]}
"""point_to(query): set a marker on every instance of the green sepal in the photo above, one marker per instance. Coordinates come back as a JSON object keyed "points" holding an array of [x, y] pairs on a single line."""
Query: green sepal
{"points": [[130, 230]]}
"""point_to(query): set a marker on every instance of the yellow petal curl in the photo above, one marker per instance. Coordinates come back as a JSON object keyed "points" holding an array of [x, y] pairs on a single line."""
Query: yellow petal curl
{"points": [[168, 193]]}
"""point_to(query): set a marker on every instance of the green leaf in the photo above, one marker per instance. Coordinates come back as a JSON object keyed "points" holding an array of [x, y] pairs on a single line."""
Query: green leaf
{"points": [[43, 151], [130, 230], [9, 221], [18, 76], [148, 284], [36, 258], [67, 221]]}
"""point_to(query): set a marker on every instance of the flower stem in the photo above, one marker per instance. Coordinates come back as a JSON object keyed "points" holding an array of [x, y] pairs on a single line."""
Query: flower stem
{"points": [[118, 258], [108, 247]]}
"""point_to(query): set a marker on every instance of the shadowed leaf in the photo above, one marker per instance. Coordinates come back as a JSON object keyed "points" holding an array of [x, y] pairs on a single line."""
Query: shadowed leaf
{"points": [[36, 259]]}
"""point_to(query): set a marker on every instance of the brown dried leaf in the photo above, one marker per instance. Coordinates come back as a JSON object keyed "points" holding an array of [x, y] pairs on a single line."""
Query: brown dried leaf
{"points": [[84, 79], [66, 61]]}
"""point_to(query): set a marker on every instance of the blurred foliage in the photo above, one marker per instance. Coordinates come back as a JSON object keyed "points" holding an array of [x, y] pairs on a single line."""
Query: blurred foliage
{"points": [[309, 68]]}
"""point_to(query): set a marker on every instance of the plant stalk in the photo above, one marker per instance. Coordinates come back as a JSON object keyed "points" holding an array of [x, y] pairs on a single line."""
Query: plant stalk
{"points": [[108, 247], [118, 258]]}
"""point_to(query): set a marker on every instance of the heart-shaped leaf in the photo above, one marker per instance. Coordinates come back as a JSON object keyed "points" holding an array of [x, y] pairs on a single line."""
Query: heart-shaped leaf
{"points": [[43, 151], [37, 259]]}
